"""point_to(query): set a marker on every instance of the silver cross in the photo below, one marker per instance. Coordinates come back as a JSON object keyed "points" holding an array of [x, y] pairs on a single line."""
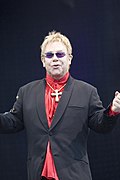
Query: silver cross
{"points": [[56, 94]]}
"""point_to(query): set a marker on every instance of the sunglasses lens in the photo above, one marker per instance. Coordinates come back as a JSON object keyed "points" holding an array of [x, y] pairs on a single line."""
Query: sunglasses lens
{"points": [[49, 55], [60, 54]]}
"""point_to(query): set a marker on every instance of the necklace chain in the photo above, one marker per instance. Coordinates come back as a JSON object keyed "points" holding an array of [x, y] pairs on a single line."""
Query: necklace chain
{"points": [[56, 93], [56, 89]]}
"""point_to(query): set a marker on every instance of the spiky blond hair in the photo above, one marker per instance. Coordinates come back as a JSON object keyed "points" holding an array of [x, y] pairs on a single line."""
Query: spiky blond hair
{"points": [[56, 36]]}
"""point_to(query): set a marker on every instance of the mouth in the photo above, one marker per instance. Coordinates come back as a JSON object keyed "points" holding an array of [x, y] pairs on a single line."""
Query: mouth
{"points": [[55, 66]]}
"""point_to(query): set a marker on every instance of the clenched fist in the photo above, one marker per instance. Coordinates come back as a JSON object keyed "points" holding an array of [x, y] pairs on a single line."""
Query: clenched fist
{"points": [[116, 102]]}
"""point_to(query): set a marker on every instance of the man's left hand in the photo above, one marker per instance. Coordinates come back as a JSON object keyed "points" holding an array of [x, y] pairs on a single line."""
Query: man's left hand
{"points": [[116, 103]]}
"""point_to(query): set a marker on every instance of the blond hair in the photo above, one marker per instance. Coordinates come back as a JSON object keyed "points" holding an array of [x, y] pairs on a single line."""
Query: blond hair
{"points": [[56, 36]]}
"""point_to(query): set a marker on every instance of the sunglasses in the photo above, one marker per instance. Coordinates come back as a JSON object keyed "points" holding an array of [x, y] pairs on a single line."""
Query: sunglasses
{"points": [[51, 54]]}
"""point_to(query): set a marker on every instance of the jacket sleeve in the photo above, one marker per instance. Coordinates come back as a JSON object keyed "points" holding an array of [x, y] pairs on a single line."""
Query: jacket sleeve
{"points": [[12, 121], [99, 119]]}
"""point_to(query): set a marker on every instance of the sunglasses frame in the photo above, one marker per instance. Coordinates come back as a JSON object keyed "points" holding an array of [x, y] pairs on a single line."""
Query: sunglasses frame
{"points": [[50, 55]]}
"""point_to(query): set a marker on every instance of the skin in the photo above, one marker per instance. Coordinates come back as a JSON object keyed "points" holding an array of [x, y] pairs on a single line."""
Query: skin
{"points": [[57, 67], [116, 103]]}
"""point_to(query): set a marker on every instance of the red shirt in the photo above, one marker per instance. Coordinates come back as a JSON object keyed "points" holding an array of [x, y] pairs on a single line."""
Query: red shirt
{"points": [[49, 169]]}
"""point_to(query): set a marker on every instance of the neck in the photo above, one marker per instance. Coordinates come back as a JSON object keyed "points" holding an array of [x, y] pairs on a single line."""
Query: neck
{"points": [[57, 77], [61, 80]]}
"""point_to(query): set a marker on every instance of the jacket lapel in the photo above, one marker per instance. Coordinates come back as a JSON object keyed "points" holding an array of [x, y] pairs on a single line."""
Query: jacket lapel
{"points": [[40, 99], [63, 102]]}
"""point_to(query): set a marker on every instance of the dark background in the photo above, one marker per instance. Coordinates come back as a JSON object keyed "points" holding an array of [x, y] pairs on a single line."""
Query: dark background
{"points": [[93, 27]]}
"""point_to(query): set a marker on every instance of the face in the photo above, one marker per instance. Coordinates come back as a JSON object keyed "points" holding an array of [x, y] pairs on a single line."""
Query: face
{"points": [[56, 64]]}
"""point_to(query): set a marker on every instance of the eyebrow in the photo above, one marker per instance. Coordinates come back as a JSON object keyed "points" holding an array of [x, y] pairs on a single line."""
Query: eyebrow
{"points": [[56, 51]]}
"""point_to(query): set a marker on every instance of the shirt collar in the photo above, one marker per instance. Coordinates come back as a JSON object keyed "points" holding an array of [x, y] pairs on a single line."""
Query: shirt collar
{"points": [[63, 80]]}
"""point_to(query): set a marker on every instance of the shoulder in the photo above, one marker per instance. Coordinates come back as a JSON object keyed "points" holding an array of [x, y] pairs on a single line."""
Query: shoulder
{"points": [[83, 84], [33, 84]]}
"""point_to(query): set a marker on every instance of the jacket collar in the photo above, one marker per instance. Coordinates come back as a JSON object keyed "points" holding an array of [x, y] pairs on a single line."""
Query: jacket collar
{"points": [[40, 99]]}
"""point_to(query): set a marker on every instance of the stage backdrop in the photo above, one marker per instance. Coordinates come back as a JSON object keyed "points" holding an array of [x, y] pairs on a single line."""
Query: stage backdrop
{"points": [[94, 30]]}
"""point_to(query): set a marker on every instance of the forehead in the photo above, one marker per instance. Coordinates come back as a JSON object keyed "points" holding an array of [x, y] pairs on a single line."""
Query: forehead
{"points": [[56, 46]]}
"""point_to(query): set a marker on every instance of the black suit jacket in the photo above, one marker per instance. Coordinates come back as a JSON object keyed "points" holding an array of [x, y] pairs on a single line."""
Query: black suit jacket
{"points": [[79, 110]]}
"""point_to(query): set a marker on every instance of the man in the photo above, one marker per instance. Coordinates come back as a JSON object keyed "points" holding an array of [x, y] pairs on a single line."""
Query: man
{"points": [[57, 113]]}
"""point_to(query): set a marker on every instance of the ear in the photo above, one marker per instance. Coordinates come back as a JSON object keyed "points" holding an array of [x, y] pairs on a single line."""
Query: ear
{"points": [[43, 63], [70, 59]]}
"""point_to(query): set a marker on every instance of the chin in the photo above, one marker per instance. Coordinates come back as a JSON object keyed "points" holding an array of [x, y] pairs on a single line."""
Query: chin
{"points": [[57, 73], [57, 76]]}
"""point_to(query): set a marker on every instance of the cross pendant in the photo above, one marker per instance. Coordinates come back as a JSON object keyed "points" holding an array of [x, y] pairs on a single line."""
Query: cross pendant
{"points": [[56, 94]]}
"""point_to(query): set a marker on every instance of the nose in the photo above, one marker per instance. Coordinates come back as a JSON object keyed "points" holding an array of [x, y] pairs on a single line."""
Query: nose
{"points": [[55, 58]]}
